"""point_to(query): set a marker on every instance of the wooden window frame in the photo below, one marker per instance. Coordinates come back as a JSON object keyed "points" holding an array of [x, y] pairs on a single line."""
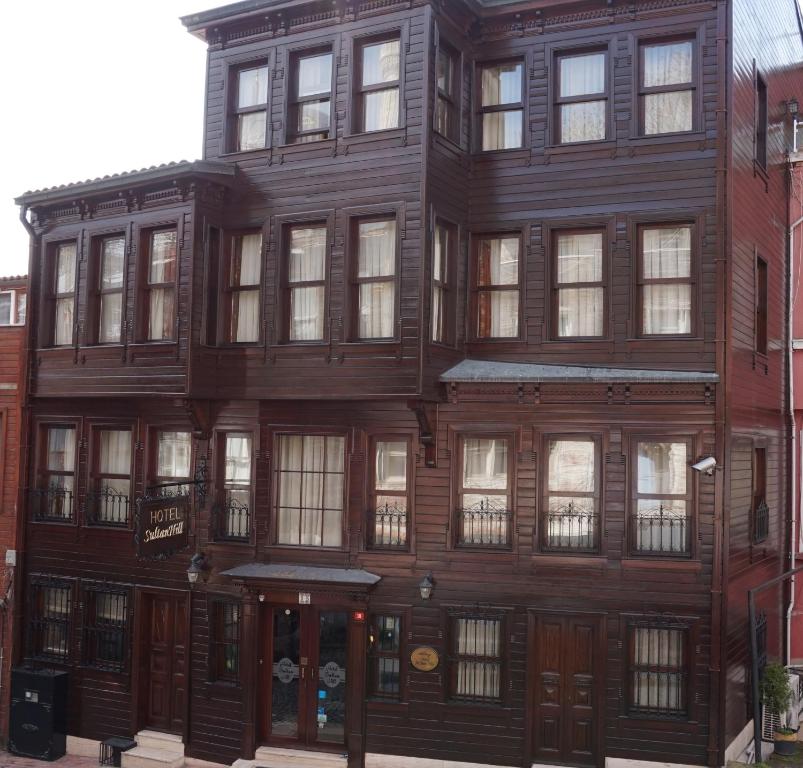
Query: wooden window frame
{"points": [[98, 292], [560, 101], [597, 494], [13, 309], [761, 120], [476, 289], [605, 283], [90, 626], [53, 296], [219, 519], [146, 242], [294, 135], [447, 331], [218, 641], [360, 90], [690, 497], [37, 623], [759, 518], [761, 311], [520, 105], [156, 479], [691, 281], [228, 291], [691, 36], [233, 112], [43, 474], [451, 99], [454, 613], [407, 495], [403, 614], [95, 478], [285, 304]]}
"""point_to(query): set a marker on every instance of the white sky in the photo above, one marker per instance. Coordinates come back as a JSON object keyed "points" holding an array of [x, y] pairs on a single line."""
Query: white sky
{"points": [[92, 87]]}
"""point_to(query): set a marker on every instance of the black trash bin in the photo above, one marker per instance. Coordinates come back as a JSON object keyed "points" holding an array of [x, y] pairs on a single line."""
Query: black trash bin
{"points": [[38, 718]]}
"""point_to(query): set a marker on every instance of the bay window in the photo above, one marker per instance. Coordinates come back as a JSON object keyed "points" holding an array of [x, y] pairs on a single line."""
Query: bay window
{"points": [[245, 270], [390, 493], [658, 670], [109, 498], [235, 522], [484, 514], [497, 278], [160, 284], [376, 279], [582, 97], [502, 105], [310, 483], [310, 111], [666, 95], [579, 284], [56, 491], [306, 283], [475, 669], [63, 292], [378, 85], [665, 280], [109, 287], [249, 115]]}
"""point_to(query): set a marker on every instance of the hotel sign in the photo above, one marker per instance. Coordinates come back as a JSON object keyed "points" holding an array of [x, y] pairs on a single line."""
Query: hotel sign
{"points": [[161, 526]]}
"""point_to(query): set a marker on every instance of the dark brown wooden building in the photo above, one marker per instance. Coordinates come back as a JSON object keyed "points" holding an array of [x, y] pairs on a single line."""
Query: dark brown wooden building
{"points": [[415, 364]]}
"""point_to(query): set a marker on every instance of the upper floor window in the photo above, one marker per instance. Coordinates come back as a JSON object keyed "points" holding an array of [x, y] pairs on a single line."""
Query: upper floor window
{"points": [[105, 629], [108, 502], [661, 514], [250, 108], [667, 87], [245, 270], [579, 284], [376, 279], [50, 613], [56, 491], [310, 117], [306, 283], [762, 307], [390, 494], [442, 267], [160, 284], [658, 670], [310, 483], [665, 280], [497, 287], [484, 514], [379, 85], [225, 631], [582, 97], [447, 109], [385, 655], [572, 494], [12, 307], [173, 458], [476, 658], [235, 523], [109, 289], [502, 105], [761, 121], [64, 294]]}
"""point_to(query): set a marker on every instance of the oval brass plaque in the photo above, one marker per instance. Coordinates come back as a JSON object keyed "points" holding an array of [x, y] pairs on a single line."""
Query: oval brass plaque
{"points": [[424, 659]]}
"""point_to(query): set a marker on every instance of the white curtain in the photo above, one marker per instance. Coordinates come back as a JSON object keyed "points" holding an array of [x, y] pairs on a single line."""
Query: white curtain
{"points": [[667, 252], [481, 638], [307, 264], [110, 608], [670, 112], [251, 131], [237, 480], [501, 85], [377, 299], [502, 130], [581, 75], [391, 465], [63, 329], [579, 260], [174, 449], [667, 308], [437, 314], [572, 465], [580, 312], [65, 268], [163, 257], [246, 268], [582, 121], [64, 283], [111, 318], [161, 314], [662, 523], [115, 452], [61, 449], [653, 688], [667, 64], [380, 62], [113, 257], [484, 463], [662, 468], [252, 87], [314, 75], [666, 255]]}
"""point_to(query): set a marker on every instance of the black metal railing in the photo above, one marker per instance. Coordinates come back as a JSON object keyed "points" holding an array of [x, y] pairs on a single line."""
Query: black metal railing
{"points": [[50, 609], [572, 528], [661, 531], [105, 630], [107, 507], [388, 527], [54, 504], [484, 525], [761, 522], [231, 521]]}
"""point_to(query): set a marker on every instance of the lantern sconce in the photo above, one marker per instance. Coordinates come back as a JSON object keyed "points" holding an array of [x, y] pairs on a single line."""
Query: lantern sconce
{"points": [[198, 567], [426, 585]]}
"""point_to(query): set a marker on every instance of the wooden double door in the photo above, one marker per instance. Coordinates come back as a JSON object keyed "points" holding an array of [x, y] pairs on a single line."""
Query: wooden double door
{"points": [[303, 660], [567, 661]]}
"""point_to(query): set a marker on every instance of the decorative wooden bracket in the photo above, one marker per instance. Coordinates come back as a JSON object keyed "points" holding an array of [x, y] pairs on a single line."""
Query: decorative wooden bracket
{"points": [[427, 415], [203, 414]]}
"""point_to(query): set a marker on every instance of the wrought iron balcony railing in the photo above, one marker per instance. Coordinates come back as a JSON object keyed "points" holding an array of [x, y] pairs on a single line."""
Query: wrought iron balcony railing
{"points": [[107, 507], [484, 525], [388, 527], [661, 531], [761, 522], [572, 528], [231, 521], [52, 504]]}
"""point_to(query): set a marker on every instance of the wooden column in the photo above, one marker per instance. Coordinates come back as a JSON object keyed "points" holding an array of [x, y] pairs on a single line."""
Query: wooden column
{"points": [[355, 707], [249, 634]]}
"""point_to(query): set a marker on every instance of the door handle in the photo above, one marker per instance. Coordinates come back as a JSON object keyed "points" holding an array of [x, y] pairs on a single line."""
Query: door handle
{"points": [[303, 672]]}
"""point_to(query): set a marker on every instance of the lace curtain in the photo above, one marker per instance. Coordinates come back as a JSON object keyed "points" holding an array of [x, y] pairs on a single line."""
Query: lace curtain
{"points": [[667, 256], [61, 449], [174, 450], [668, 65], [307, 265], [655, 649], [64, 284], [498, 310], [377, 297], [661, 522], [381, 64], [580, 76], [579, 260], [501, 85], [246, 268]]}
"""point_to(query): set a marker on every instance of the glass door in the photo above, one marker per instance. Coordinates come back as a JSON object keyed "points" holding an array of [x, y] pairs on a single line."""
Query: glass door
{"points": [[330, 716], [285, 698]]}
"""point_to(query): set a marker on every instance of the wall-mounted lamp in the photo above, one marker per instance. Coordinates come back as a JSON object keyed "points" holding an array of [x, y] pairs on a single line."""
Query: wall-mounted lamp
{"points": [[793, 107], [198, 567], [425, 586], [261, 597]]}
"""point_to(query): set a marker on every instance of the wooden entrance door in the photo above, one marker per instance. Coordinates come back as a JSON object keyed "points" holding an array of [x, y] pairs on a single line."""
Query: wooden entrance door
{"points": [[304, 660], [164, 662], [567, 663]]}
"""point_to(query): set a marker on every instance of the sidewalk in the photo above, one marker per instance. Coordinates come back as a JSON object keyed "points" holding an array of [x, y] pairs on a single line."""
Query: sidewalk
{"points": [[68, 761]]}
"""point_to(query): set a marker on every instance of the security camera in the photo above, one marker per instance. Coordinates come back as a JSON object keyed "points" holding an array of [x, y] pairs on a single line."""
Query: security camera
{"points": [[706, 465]]}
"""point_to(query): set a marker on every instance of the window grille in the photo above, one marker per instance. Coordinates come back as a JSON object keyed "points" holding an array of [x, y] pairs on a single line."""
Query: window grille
{"points": [[50, 610], [476, 672], [226, 641], [658, 670], [384, 653], [105, 632]]}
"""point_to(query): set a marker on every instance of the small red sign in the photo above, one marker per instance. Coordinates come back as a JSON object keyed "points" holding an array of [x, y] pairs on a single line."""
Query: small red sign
{"points": [[358, 615]]}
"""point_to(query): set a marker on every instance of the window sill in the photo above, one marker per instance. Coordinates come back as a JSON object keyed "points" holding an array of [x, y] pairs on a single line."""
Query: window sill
{"points": [[650, 340], [447, 143], [667, 138], [572, 560], [648, 720], [370, 136], [579, 147], [576, 342], [299, 147], [59, 523], [658, 563], [523, 152], [243, 153], [500, 340]]}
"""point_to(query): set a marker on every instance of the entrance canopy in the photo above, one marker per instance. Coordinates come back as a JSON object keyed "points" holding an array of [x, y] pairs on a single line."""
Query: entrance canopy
{"points": [[307, 574]]}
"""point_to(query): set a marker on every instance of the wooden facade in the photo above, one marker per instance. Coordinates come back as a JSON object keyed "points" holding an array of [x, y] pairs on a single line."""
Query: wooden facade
{"points": [[621, 637]]}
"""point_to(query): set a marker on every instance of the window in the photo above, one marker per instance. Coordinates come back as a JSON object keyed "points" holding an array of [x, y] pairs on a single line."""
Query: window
{"points": [[761, 121], [442, 267], [667, 87], [173, 459], [376, 279], [579, 284], [108, 501], [250, 109], [485, 492], [306, 283], [236, 521], [658, 673], [310, 490], [245, 269], [573, 494], [761, 513], [12, 307], [762, 300], [582, 98], [105, 634], [665, 284], [225, 641], [384, 654], [57, 484], [64, 294], [109, 289], [390, 494], [497, 287], [501, 106], [310, 115], [160, 285], [49, 627], [476, 658], [661, 522], [379, 83], [447, 109]]}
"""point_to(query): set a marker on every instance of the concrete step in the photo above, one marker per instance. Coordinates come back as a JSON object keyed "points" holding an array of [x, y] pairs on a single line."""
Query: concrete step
{"points": [[147, 757], [167, 742], [273, 757]]}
